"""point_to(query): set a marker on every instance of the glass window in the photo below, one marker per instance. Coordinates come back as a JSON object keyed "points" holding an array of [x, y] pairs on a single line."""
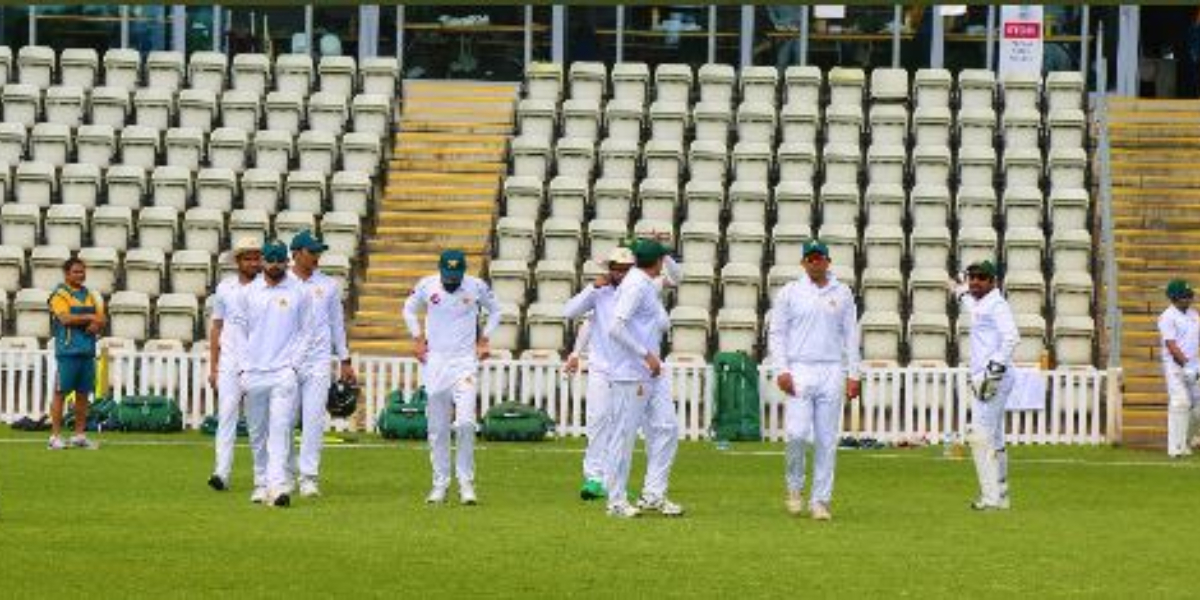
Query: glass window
{"points": [[542, 33], [860, 36], [95, 26], [264, 29], [666, 34], [14, 26], [728, 35], [966, 39], [148, 27], [335, 31], [777, 35], [591, 34], [465, 42]]}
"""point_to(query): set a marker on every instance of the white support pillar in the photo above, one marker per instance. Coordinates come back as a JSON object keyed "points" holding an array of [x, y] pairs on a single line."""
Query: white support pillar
{"points": [[937, 42], [991, 37], [400, 37], [804, 25], [897, 21], [747, 36], [308, 27], [620, 53], [558, 34], [1085, 27], [32, 25], [712, 34], [125, 26], [179, 28], [218, 30], [368, 31]]}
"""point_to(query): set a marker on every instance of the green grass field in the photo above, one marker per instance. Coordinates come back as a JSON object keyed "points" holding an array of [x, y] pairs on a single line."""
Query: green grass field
{"points": [[135, 519]]}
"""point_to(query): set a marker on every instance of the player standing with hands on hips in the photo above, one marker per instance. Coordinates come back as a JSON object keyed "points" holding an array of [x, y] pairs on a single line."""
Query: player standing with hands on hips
{"points": [[994, 338], [1179, 327], [450, 348], [813, 340]]}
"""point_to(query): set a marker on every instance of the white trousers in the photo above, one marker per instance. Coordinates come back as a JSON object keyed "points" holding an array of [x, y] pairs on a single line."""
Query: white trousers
{"points": [[449, 409], [229, 404], [812, 419], [988, 417], [274, 398], [647, 405], [313, 383], [1183, 410], [599, 426]]}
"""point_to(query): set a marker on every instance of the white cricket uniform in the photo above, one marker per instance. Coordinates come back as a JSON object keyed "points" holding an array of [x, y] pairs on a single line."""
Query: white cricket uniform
{"points": [[637, 398], [277, 321], [600, 303], [229, 388], [994, 338], [450, 371], [814, 336], [327, 340], [1183, 392]]}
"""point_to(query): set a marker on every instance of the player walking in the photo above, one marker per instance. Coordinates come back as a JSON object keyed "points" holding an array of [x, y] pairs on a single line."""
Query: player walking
{"points": [[1179, 326]]}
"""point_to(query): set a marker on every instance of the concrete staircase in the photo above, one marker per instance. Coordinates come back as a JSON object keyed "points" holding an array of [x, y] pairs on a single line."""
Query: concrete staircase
{"points": [[442, 191], [1156, 207]]}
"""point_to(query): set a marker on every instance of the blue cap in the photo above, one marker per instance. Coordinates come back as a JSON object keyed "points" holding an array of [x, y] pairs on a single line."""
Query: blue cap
{"points": [[452, 264], [274, 252], [305, 240]]}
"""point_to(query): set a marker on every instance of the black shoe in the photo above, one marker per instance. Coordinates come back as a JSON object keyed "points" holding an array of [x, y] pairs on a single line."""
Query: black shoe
{"points": [[215, 482], [282, 501]]}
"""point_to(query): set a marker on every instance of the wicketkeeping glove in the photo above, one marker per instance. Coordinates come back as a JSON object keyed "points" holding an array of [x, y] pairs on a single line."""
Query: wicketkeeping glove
{"points": [[1190, 375], [990, 385]]}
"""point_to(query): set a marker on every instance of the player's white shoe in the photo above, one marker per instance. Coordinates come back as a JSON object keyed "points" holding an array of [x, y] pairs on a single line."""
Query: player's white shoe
{"points": [[56, 443], [820, 512], [662, 506], [466, 494], [81, 441], [309, 488], [259, 495], [981, 504], [623, 511], [436, 496], [795, 502]]}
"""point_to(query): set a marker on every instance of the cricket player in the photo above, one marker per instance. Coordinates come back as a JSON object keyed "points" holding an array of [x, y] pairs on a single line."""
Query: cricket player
{"points": [[994, 337], [225, 362], [276, 316], [813, 341], [1179, 326], [328, 339], [450, 347], [639, 392], [598, 300], [77, 319]]}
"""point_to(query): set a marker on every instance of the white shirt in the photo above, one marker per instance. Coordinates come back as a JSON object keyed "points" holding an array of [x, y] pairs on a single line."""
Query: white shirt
{"points": [[815, 325], [225, 309], [601, 302], [451, 320], [639, 321], [277, 320], [329, 320], [1183, 328], [994, 335]]}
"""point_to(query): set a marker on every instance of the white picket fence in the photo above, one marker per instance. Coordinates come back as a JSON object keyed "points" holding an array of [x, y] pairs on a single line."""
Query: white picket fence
{"points": [[1082, 406]]}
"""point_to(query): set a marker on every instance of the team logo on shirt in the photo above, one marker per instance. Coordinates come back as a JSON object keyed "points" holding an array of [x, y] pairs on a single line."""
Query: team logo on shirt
{"points": [[283, 303], [467, 300], [435, 299], [319, 293]]}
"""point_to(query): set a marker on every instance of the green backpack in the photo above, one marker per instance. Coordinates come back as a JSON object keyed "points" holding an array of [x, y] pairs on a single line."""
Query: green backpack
{"points": [[516, 422], [102, 416], [404, 420], [157, 414], [737, 417]]}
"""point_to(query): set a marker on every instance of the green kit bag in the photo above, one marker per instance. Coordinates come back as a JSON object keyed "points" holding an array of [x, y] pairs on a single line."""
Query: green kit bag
{"points": [[158, 414], [737, 417], [516, 422], [210, 424], [404, 420]]}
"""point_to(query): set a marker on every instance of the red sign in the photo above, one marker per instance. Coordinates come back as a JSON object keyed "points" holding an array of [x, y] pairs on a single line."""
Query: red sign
{"points": [[1028, 30]]}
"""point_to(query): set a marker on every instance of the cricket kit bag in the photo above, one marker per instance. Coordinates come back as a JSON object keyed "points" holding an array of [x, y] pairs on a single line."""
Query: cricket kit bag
{"points": [[157, 414], [404, 420], [737, 417], [516, 422]]}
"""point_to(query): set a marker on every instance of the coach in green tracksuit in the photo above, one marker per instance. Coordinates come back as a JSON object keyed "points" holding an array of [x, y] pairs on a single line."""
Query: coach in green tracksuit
{"points": [[77, 318]]}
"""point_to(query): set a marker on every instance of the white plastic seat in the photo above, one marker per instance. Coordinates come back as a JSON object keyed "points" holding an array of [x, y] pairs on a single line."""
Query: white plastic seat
{"points": [[803, 84], [144, 271], [172, 187], [339, 268], [506, 336], [350, 192], [64, 105], [673, 82], [289, 223], [22, 104], [1024, 248], [524, 196], [927, 289], [80, 184], [1031, 350], [840, 204], [882, 333], [928, 338], [1073, 340], [1072, 251], [930, 247], [561, 239], [36, 184], [122, 68], [664, 159], [1021, 90], [708, 161], [1023, 207], [31, 308], [1065, 90], [317, 151], [1068, 168], [112, 226], [510, 281], [207, 71], [884, 246], [659, 199], [704, 200], [108, 106], [797, 161], [756, 123], [794, 202], [12, 268], [251, 223], [51, 143], [327, 112], [191, 272], [976, 125], [752, 161], [712, 121], [748, 200], [129, 315], [745, 242], [1025, 289], [158, 227], [589, 81], [251, 72], [737, 330], [13, 137], [1022, 128], [976, 166], [931, 165], [759, 84], [842, 163], [885, 204], [668, 121], [882, 289], [889, 85], [889, 125], [515, 239], [630, 80], [177, 315], [976, 244], [305, 191], [66, 226], [154, 108], [716, 83], [197, 109], [536, 119], [240, 109], [531, 157], [547, 328], [696, 285], [36, 66], [273, 150], [604, 235], [102, 266], [741, 285], [977, 87], [216, 189], [125, 185], [556, 280], [1067, 128], [164, 70], [361, 152], [932, 88], [6, 181], [341, 231], [618, 158], [699, 242], [284, 111], [787, 240], [846, 86], [781, 275], [842, 241], [6, 65], [46, 263], [1072, 294], [568, 198], [800, 123], [931, 126], [139, 146], [886, 164], [294, 73], [95, 145], [185, 147], [379, 75], [690, 330], [581, 119], [1069, 209], [623, 119], [204, 229], [929, 205], [337, 74], [372, 113], [575, 158]]}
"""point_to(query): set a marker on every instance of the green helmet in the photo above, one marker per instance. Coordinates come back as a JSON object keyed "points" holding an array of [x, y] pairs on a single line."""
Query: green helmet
{"points": [[1179, 289]]}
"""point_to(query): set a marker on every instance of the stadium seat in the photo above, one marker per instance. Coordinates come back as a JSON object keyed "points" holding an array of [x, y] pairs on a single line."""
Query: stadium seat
{"points": [[6, 65], [51, 143], [531, 157], [932, 88], [803, 84], [842, 241], [840, 204], [737, 330], [575, 158], [350, 191], [704, 200], [510, 281], [102, 266], [122, 68], [129, 315], [1073, 340], [164, 70], [337, 74], [284, 112], [515, 238], [883, 246], [112, 226], [46, 263], [882, 289], [197, 109], [975, 244], [700, 241], [885, 204], [216, 188], [800, 124], [975, 206], [781, 275], [976, 125], [889, 125], [66, 226], [95, 145], [707, 161], [507, 336], [1072, 251], [294, 73], [317, 151], [1067, 128], [673, 83], [589, 81], [712, 121], [1025, 289], [524, 196], [618, 158], [668, 121], [36, 184], [931, 126], [568, 197], [341, 231], [927, 288], [360, 152], [338, 267], [759, 84], [154, 108], [842, 163], [251, 223], [240, 109], [207, 71], [741, 285], [191, 272], [604, 235], [797, 161], [787, 239], [929, 246], [547, 328], [12, 142], [1068, 168], [273, 150], [1022, 127], [752, 161], [887, 164], [289, 223], [305, 191], [1022, 167], [931, 165], [327, 112], [172, 187], [748, 200], [251, 72], [158, 227], [623, 119], [1069, 209], [745, 242], [80, 183], [629, 81], [6, 177], [928, 338], [1022, 207], [204, 229], [581, 119], [561, 238], [756, 123], [22, 104], [881, 336], [108, 106], [690, 330], [12, 267], [556, 280], [64, 105], [716, 83], [31, 308], [794, 202], [185, 148], [372, 114], [139, 147], [977, 87], [613, 199], [664, 159], [696, 284], [1065, 90], [659, 199], [1072, 294], [537, 119], [144, 269], [1021, 90], [889, 85], [380, 75], [1032, 347], [846, 86], [36, 66]]}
